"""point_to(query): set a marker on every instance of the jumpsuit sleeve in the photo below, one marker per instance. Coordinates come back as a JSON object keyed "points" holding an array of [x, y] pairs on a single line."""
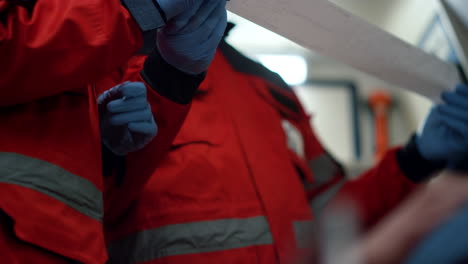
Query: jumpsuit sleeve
{"points": [[170, 92], [157, 200], [51, 46], [393, 238], [376, 192], [379, 190]]}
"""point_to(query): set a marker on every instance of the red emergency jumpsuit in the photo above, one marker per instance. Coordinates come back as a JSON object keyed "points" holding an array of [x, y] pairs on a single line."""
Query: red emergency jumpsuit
{"points": [[232, 190], [54, 55]]}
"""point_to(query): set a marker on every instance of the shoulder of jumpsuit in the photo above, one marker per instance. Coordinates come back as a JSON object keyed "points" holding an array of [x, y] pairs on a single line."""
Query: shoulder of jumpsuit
{"points": [[129, 72], [277, 91], [413, 165], [149, 17], [168, 81]]}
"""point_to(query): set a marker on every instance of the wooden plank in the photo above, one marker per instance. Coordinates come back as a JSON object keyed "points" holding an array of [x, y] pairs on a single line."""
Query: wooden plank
{"points": [[331, 31], [455, 18]]}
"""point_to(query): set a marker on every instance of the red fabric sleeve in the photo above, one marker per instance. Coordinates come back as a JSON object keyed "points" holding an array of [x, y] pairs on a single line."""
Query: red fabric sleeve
{"points": [[140, 165], [56, 45], [379, 190]]}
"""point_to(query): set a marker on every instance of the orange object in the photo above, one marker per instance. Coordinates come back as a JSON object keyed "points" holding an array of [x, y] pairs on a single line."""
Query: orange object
{"points": [[380, 103], [228, 190]]}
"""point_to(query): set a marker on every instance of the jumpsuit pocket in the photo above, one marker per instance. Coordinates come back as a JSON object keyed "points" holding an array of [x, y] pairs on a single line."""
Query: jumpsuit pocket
{"points": [[203, 125], [15, 250], [191, 182]]}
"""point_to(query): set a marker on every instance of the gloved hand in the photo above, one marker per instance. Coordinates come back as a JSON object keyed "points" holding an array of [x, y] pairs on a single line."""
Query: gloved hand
{"points": [[173, 8], [189, 41], [444, 137], [447, 244], [126, 120]]}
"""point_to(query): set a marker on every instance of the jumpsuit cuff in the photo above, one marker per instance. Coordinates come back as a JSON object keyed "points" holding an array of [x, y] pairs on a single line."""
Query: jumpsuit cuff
{"points": [[168, 81], [414, 165], [149, 16]]}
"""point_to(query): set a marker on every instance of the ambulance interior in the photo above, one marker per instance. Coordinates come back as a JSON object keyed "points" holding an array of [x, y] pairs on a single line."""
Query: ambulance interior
{"points": [[342, 100], [357, 116]]}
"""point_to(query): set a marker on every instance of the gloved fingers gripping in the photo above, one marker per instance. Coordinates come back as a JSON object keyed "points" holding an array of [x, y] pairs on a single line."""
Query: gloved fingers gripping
{"points": [[213, 40], [444, 136], [193, 51], [111, 94], [173, 8], [462, 90], [455, 112], [135, 116], [203, 14], [127, 105], [455, 99], [206, 41], [143, 127], [211, 37], [457, 126], [126, 89], [211, 26], [220, 28], [183, 18], [208, 47], [133, 89]]}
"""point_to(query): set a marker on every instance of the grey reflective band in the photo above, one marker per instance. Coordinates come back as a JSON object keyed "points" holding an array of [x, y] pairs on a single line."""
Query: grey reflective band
{"points": [[319, 203], [304, 232], [52, 180], [191, 238], [323, 168]]}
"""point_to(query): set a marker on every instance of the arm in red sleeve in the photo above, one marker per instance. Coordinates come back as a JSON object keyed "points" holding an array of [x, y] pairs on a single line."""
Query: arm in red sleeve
{"points": [[399, 233], [169, 92], [379, 190], [382, 188], [51, 46]]}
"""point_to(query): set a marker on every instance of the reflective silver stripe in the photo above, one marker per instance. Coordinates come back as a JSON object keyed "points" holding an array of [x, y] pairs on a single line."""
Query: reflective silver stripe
{"points": [[304, 232], [319, 203], [323, 168], [191, 238], [52, 180]]}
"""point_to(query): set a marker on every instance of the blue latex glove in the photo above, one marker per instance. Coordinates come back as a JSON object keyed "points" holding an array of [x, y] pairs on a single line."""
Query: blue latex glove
{"points": [[173, 8], [447, 245], [189, 41], [444, 137], [127, 123]]}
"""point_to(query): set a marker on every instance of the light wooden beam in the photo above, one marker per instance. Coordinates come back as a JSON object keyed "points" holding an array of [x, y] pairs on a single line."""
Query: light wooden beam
{"points": [[331, 31]]}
